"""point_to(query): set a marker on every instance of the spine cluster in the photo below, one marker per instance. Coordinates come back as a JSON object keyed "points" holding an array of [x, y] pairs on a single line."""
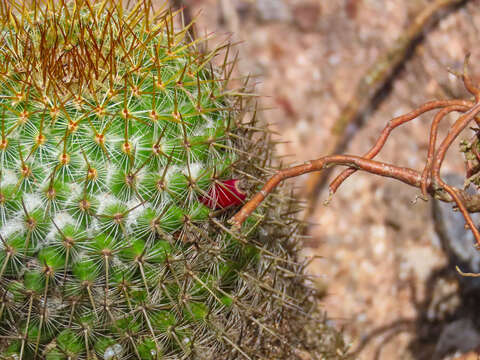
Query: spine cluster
{"points": [[119, 143]]}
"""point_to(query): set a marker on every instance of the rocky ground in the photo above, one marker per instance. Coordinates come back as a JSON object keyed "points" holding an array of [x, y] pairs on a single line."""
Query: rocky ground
{"points": [[391, 286]]}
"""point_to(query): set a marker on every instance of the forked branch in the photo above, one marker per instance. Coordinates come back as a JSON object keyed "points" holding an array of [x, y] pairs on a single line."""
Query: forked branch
{"points": [[428, 181]]}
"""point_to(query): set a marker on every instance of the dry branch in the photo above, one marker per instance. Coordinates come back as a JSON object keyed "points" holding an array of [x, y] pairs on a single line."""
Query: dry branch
{"points": [[406, 175], [429, 180], [368, 88]]}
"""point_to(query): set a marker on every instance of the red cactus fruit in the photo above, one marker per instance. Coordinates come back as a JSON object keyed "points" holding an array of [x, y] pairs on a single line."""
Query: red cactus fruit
{"points": [[224, 194]]}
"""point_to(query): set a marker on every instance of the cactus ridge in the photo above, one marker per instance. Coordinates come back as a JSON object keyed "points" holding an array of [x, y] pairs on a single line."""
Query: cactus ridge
{"points": [[114, 127]]}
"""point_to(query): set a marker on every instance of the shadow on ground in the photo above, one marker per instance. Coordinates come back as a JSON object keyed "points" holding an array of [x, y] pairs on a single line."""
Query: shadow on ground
{"points": [[448, 320]]}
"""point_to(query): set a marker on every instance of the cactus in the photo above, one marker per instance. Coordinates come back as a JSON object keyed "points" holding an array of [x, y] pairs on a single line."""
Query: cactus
{"points": [[121, 151]]}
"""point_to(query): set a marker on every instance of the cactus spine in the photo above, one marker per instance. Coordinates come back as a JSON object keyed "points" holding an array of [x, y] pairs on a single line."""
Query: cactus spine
{"points": [[117, 134]]}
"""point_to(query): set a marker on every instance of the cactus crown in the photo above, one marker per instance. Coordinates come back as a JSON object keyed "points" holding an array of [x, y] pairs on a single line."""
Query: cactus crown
{"points": [[116, 135]]}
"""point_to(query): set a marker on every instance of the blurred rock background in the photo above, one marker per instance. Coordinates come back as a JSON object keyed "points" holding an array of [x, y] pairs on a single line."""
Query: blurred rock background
{"points": [[390, 278]]}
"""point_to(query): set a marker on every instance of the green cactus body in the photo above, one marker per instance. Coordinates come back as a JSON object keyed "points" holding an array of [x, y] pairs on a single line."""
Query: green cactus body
{"points": [[114, 127]]}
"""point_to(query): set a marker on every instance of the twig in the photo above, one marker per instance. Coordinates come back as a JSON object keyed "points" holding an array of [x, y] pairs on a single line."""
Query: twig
{"points": [[433, 140], [429, 181], [375, 79], [466, 274], [458, 127], [448, 105], [406, 175], [392, 124]]}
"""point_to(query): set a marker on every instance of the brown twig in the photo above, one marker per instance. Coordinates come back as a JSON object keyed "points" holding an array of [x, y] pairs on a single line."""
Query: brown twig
{"points": [[406, 175], [432, 143], [429, 181], [467, 81], [458, 127], [447, 105], [392, 124], [371, 84]]}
